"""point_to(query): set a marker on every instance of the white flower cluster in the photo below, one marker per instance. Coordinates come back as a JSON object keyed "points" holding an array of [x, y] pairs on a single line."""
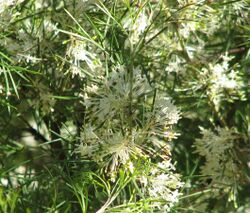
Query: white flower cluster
{"points": [[136, 24], [82, 59], [8, 13], [4, 4], [240, 9], [127, 122], [114, 96], [198, 17], [108, 148], [176, 64], [117, 101], [163, 184], [224, 82], [217, 148], [24, 47]]}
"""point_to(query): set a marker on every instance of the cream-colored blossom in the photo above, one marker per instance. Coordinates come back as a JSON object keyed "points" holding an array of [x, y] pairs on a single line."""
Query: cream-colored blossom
{"points": [[4, 4], [223, 82], [136, 24], [109, 149], [81, 58], [114, 96], [163, 183], [160, 121], [217, 146]]}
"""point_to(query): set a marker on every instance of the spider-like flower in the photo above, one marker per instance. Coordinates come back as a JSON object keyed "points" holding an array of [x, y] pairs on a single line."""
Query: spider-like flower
{"points": [[223, 82], [217, 148], [80, 56], [118, 149], [109, 149], [163, 184], [165, 112], [125, 132], [114, 96], [159, 122]]}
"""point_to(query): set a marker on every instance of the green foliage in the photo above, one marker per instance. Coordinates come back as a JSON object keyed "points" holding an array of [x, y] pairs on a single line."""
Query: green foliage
{"points": [[124, 106]]}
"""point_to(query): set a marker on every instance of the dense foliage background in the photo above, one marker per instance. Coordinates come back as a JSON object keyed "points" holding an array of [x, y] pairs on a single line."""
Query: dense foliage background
{"points": [[124, 106]]}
